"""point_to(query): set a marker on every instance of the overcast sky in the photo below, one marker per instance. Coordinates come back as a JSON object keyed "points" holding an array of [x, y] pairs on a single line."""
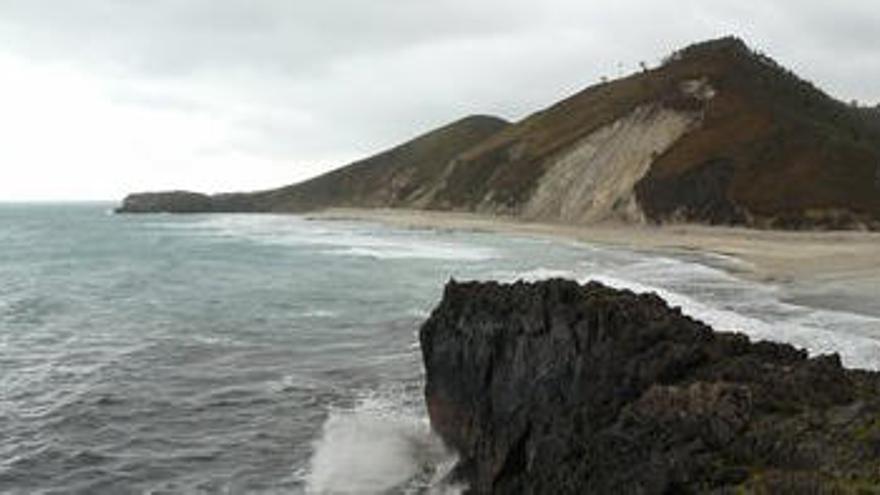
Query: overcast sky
{"points": [[102, 97]]}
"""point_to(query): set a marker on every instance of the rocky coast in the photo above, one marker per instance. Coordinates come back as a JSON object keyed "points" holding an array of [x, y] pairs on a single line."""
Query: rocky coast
{"points": [[556, 387]]}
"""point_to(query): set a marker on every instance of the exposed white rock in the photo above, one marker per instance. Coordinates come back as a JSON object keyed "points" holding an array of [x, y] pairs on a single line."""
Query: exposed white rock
{"points": [[593, 180], [698, 88]]}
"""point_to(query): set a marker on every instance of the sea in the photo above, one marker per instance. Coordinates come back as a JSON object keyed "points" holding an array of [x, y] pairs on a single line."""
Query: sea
{"points": [[266, 354]]}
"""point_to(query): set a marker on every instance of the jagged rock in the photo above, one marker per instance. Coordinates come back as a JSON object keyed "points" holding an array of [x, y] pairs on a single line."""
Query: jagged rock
{"points": [[554, 387]]}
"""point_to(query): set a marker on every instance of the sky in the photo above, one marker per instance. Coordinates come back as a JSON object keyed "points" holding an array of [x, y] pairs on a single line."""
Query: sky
{"points": [[103, 97]]}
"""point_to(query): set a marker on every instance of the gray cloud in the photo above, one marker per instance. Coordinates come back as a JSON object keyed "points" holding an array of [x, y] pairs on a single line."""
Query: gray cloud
{"points": [[304, 82]]}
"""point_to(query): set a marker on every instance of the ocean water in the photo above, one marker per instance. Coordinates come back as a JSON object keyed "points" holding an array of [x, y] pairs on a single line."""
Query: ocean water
{"points": [[271, 354]]}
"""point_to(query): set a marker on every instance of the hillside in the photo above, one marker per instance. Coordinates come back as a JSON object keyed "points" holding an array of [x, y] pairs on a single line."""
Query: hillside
{"points": [[401, 176], [717, 134]]}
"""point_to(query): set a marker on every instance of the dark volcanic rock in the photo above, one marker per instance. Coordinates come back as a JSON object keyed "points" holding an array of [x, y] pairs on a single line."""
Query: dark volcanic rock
{"points": [[554, 387]]}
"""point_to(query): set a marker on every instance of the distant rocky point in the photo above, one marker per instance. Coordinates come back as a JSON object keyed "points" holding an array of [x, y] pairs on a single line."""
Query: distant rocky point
{"points": [[717, 134], [396, 177], [556, 387], [167, 202]]}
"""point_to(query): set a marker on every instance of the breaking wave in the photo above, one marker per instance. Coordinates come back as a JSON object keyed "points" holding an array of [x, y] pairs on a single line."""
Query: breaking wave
{"points": [[344, 239], [378, 446], [759, 311]]}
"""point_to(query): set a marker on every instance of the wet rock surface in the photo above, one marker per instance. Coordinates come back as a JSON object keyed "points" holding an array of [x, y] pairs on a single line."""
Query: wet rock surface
{"points": [[556, 387]]}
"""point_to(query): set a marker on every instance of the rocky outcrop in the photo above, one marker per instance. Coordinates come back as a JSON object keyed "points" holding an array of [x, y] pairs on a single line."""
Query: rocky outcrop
{"points": [[555, 387], [167, 202]]}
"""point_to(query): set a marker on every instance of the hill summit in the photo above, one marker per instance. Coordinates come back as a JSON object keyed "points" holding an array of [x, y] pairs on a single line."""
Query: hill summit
{"points": [[717, 134]]}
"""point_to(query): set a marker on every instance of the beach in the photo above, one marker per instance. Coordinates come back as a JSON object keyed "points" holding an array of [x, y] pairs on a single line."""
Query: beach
{"points": [[832, 269]]}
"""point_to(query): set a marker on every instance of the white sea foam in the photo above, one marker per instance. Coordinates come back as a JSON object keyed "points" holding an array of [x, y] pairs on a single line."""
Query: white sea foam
{"points": [[542, 274], [730, 304], [376, 446], [383, 243], [791, 324], [339, 238], [420, 313], [417, 250], [319, 313]]}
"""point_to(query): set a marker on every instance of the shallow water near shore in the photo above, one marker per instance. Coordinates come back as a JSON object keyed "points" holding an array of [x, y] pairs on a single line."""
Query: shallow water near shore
{"points": [[270, 354]]}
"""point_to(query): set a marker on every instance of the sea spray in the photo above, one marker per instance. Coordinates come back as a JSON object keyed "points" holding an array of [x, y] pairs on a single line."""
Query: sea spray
{"points": [[376, 446]]}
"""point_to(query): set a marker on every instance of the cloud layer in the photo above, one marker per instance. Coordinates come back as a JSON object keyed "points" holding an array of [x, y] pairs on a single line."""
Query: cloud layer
{"points": [[107, 96]]}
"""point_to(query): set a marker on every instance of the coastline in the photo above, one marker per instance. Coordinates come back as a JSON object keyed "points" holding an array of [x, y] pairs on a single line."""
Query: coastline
{"points": [[837, 270]]}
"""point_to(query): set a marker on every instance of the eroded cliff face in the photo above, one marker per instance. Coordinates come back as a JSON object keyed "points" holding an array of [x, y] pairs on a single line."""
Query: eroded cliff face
{"points": [[554, 387], [594, 179]]}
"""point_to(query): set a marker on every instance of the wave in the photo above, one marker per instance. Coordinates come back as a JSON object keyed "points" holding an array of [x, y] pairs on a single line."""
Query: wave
{"points": [[319, 313], [416, 251], [730, 304], [341, 238], [376, 446]]}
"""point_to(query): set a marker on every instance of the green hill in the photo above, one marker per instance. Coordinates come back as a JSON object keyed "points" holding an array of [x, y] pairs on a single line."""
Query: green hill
{"points": [[717, 134]]}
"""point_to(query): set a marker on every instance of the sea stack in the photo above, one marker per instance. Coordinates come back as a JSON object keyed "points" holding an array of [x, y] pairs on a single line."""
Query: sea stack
{"points": [[557, 387]]}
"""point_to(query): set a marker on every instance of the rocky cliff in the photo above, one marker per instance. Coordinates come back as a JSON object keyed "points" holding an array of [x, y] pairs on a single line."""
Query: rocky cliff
{"points": [[554, 387], [717, 134]]}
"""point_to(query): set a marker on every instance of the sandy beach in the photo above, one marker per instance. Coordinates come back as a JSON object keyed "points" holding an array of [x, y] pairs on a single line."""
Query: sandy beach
{"points": [[837, 270]]}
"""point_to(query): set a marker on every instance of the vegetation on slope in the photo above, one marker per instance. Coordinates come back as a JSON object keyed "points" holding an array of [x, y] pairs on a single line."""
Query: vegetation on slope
{"points": [[773, 150], [397, 177], [766, 149]]}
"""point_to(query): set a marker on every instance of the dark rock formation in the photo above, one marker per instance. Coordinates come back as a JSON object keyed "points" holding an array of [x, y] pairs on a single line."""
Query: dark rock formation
{"points": [[701, 192], [166, 202], [554, 387]]}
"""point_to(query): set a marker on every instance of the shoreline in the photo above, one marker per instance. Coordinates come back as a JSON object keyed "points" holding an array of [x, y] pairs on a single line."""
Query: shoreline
{"points": [[837, 270]]}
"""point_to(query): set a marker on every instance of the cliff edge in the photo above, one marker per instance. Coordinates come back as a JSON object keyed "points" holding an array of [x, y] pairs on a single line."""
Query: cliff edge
{"points": [[556, 387]]}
